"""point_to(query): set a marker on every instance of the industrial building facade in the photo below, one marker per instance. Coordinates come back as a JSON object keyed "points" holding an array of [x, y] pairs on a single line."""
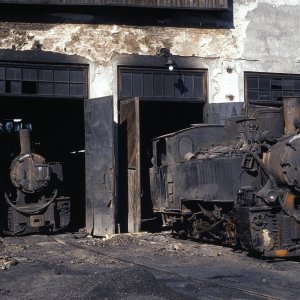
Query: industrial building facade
{"points": [[93, 78]]}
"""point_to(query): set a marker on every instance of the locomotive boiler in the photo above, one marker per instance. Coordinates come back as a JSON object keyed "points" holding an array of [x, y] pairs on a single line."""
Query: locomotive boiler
{"points": [[237, 184], [32, 192]]}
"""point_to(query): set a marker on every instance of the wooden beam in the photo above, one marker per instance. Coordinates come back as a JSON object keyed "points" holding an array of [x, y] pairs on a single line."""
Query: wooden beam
{"points": [[170, 4]]}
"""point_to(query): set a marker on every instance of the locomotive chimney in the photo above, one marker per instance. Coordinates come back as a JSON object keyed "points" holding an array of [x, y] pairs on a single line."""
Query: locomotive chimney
{"points": [[291, 108], [25, 142]]}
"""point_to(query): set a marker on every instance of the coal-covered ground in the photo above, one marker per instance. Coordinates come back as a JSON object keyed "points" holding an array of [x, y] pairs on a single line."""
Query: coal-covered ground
{"points": [[139, 266]]}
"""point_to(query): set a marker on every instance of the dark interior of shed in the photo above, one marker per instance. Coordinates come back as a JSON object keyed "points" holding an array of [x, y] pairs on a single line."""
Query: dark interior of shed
{"points": [[156, 118], [58, 135], [159, 118]]}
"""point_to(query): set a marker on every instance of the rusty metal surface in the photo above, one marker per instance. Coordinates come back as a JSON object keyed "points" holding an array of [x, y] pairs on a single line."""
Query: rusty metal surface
{"points": [[284, 162], [291, 107]]}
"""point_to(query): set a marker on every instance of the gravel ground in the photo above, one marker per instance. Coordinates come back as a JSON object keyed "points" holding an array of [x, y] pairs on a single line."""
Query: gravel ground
{"points": [[140, 266]]}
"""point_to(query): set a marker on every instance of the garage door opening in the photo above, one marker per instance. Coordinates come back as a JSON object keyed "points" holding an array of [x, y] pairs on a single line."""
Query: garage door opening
{"points": [[140, 122], [58, 135]]}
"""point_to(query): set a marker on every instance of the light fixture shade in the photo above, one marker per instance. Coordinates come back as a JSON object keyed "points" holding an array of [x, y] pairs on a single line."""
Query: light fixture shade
{"points": [[170, 63]]}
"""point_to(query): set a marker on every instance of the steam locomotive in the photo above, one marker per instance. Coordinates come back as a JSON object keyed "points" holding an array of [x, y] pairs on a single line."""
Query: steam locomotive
{"points": [[237, 184], [31, 189]]}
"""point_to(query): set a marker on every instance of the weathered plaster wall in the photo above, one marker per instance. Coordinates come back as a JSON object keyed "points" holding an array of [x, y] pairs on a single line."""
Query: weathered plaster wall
{"points": [[265, 38]]}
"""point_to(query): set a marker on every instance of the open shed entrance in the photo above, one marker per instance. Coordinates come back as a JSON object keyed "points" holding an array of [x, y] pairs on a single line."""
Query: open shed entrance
{"points": [[141, 120], [48, 90], [58, 135], [167, 102]]}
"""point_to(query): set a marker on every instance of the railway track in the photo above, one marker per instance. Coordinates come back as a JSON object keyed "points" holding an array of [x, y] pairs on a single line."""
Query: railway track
{"points": [[207, 282]]}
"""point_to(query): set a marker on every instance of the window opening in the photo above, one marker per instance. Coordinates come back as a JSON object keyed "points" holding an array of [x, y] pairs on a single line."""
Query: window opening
{"points": [[270, 88], [161, 84], [43, 80]]}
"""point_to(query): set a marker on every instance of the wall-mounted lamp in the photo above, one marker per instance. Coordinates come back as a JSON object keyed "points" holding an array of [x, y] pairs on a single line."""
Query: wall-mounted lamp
{"points": [[170, 61]]}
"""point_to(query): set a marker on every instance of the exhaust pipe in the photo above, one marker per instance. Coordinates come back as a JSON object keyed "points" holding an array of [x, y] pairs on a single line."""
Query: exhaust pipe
{"points": [[25, 142]]}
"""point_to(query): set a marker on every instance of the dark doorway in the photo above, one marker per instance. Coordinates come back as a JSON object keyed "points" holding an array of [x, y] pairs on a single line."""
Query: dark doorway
{"points": [[159, 119], [152, 119], [58, 135]]}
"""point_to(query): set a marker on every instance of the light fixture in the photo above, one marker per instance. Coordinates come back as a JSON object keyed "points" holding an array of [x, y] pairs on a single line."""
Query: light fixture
{"points": [[165, 52], [170, 63]]}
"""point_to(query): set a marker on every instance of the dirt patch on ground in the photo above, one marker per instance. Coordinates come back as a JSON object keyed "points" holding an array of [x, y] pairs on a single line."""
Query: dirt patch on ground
{"points": [[137, 266]]}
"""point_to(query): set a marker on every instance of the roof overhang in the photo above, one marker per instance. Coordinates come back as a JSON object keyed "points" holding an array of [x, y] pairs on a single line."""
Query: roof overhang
{"points": [[166, 4]]}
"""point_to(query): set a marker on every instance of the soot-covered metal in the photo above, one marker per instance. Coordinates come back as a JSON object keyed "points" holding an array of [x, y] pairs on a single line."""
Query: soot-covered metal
{"points": [[237, 184], [32, 196]]}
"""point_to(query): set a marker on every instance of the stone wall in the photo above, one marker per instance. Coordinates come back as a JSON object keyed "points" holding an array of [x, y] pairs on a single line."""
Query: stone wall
{"points": [[264, 38]]}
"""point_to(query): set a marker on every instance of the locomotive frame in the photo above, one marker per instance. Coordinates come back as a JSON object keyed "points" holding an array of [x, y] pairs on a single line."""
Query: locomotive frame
{"points": [[32, 195], [237, 184]]}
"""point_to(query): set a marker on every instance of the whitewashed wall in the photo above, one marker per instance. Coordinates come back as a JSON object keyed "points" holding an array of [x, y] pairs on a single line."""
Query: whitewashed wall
{"points": [[265, 38]]}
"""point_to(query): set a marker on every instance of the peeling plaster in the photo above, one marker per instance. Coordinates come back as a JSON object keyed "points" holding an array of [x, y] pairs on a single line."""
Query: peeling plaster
{"points": [[277, 3], [258, 42]]}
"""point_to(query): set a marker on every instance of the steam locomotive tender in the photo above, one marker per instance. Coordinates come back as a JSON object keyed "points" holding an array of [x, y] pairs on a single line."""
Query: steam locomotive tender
{"points": [[32, 192], [237, 184]]}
